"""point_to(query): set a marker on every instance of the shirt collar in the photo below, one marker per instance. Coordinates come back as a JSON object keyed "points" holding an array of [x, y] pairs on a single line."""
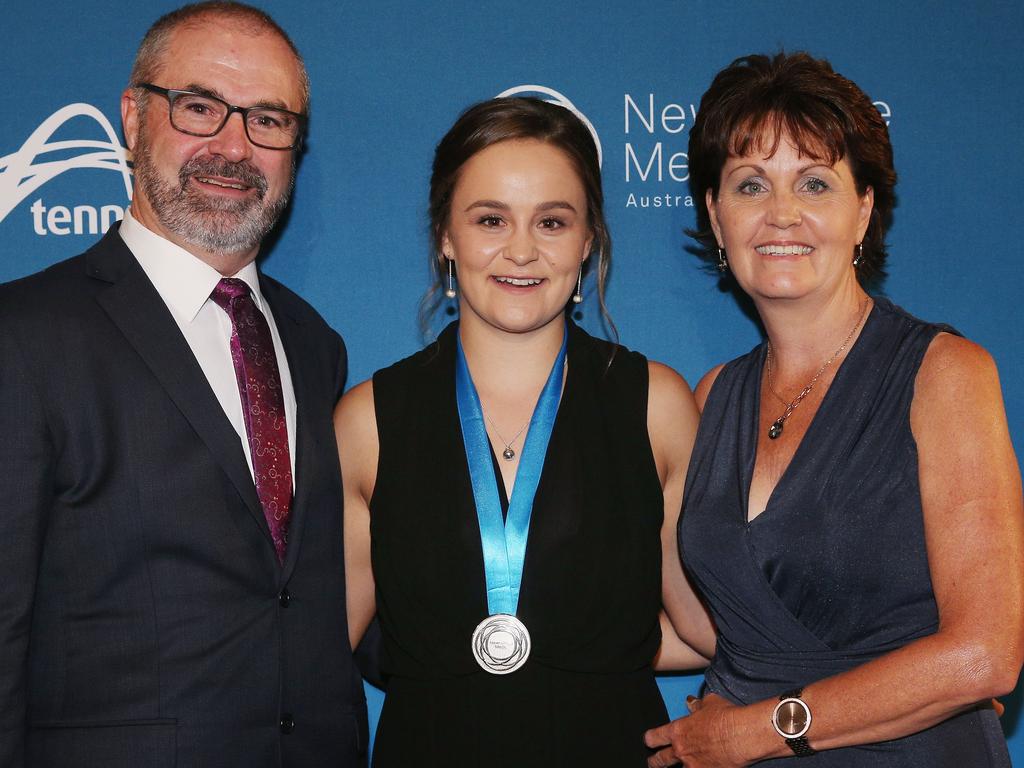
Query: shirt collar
{"points": [[183, 281]]}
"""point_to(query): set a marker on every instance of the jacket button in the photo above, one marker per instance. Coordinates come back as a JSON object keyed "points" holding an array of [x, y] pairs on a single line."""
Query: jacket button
{"points": [[287, 724], [284, 598]]}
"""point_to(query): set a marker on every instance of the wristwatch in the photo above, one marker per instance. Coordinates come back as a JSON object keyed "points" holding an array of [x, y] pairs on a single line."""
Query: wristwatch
{"points": [[791, 719]]}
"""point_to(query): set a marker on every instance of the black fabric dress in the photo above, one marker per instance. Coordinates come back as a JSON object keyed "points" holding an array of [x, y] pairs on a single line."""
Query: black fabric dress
{"points": [[591, 581], [834, 572]]}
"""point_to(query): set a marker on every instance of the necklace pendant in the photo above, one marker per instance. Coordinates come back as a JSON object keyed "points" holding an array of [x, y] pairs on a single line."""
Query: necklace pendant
{"points": [[508, 454], [775, 429]]}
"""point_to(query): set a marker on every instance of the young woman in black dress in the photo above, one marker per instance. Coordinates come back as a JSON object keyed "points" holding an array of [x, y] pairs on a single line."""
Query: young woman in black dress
{"points": [[515, 414]]}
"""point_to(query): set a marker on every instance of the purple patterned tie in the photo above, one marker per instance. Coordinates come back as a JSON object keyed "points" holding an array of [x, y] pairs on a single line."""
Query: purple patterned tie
{"points": [[259, 385]]}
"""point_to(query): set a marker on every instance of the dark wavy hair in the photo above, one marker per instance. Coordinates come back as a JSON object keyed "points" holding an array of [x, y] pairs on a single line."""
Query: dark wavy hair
{"points": [[506, 119], [757, 100]]}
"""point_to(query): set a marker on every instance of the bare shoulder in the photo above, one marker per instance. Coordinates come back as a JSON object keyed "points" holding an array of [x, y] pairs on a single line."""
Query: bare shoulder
{"points": [[668, 393], [955, 370], [355, 408], [952, 353], [705, 384], [671, 419], [663, 379], [957, 392]]}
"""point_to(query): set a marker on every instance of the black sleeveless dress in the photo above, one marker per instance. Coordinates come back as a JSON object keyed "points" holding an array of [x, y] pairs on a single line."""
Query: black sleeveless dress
{"points": [[591, 582], [834, 572]]}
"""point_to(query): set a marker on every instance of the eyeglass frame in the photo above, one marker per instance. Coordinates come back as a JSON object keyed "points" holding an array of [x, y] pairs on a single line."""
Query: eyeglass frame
{"points": [[172, 94]]}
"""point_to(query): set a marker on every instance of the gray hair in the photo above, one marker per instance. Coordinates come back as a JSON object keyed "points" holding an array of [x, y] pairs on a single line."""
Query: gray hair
{"points": [[251, 20]]}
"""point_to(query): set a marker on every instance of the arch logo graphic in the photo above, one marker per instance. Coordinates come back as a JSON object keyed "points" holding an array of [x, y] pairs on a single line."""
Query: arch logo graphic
{"points": [[42, 159], [552, 96]]}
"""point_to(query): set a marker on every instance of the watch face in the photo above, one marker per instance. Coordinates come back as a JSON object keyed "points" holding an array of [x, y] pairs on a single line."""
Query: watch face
{"points": [[791, 718]]}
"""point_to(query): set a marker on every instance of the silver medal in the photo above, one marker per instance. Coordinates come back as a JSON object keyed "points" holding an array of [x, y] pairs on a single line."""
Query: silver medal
{"points": [[501, 644]]}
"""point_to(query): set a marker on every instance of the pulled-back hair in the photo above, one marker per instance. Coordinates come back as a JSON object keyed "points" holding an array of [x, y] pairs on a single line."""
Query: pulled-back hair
{"points": [[506, 119], [757, 101]]}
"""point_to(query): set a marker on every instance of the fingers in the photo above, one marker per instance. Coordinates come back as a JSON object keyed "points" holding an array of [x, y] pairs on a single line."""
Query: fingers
{"points": [[662, 759], [693, 703], [997, 705], [658, 737]]}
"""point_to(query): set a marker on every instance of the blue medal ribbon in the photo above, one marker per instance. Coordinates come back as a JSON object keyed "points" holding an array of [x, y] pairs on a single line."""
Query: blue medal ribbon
{"points": [[504, 541]]}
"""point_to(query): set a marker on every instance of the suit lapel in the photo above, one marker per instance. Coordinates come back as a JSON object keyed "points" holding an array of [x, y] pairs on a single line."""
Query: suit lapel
{"points": [[136, 308], [298, 351]]}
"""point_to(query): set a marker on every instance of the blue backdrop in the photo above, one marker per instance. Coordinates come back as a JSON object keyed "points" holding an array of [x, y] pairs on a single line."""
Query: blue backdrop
{"points": [[390, 77]]}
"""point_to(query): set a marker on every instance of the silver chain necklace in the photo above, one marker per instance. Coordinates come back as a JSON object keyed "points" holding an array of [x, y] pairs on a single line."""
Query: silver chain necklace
{"points": [[775, 430], [508, 454]]}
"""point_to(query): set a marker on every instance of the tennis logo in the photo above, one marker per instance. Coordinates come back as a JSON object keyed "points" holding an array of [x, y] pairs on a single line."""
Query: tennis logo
{"points": [[41, 159], [552, 96]]}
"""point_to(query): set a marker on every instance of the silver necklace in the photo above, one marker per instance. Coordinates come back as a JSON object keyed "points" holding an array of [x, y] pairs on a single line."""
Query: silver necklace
{"points": [[508, 454], [776, 426]]}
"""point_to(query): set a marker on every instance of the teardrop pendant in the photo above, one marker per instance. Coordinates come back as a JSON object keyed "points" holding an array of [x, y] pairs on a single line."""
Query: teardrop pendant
{"points": [[508, 454], [775, 429]]}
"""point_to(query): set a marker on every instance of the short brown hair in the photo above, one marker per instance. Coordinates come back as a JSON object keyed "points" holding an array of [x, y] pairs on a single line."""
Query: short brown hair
{"points": [[758, 99], [252, 20], [505, 119]]}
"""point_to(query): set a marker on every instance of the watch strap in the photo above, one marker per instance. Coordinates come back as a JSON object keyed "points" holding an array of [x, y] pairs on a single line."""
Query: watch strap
{"points": [[800, 747]]}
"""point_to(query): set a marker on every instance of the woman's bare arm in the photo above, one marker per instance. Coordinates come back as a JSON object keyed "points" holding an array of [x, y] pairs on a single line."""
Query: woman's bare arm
{"points": [[672, 425], [356, 428], [974, 533]]}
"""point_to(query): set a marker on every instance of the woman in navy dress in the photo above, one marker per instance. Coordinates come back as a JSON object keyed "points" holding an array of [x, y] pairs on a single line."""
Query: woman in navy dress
{"points": [[852, 512]]}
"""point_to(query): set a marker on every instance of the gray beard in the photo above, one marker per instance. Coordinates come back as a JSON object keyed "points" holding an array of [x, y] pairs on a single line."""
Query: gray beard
{"points": [[216, 225]]}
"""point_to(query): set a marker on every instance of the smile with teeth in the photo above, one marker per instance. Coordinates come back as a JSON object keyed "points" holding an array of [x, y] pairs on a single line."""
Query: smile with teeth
{"points": [[522, 282], [784, 250], [225, 184]]}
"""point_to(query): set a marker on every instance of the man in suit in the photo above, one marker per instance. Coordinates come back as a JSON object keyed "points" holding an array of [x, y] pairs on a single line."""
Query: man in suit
{"points": [[170, 502]]}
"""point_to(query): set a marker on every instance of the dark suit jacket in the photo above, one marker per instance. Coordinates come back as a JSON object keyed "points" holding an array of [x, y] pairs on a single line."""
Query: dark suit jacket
{"points": [[144, 619]]}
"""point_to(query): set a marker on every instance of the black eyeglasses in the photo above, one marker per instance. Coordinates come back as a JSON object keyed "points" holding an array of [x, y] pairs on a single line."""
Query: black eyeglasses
{"points": [[200, 115]]}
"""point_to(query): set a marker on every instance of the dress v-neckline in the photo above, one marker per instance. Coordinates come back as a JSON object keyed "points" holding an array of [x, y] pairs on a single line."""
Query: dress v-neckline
{"points": [[755, 435], [504, 494]]}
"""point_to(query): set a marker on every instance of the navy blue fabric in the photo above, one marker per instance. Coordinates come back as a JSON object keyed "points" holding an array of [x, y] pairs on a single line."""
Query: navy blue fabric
{"points": [[834, 572], [144, 617]]}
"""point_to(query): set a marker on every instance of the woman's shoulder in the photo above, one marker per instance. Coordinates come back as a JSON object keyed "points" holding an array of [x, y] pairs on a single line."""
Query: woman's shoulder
{"points": [[902, 321], [614, 360], [658, 385], [608, 355], [428, 358], [399, 386], [914, 351], [608, 365], [664, 378], [707, 381], [727, 373], [953, 364], [670, 399]]}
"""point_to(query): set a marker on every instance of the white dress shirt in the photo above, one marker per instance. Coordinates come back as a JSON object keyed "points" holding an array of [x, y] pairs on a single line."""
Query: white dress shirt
{"points": [[185, 283]]}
